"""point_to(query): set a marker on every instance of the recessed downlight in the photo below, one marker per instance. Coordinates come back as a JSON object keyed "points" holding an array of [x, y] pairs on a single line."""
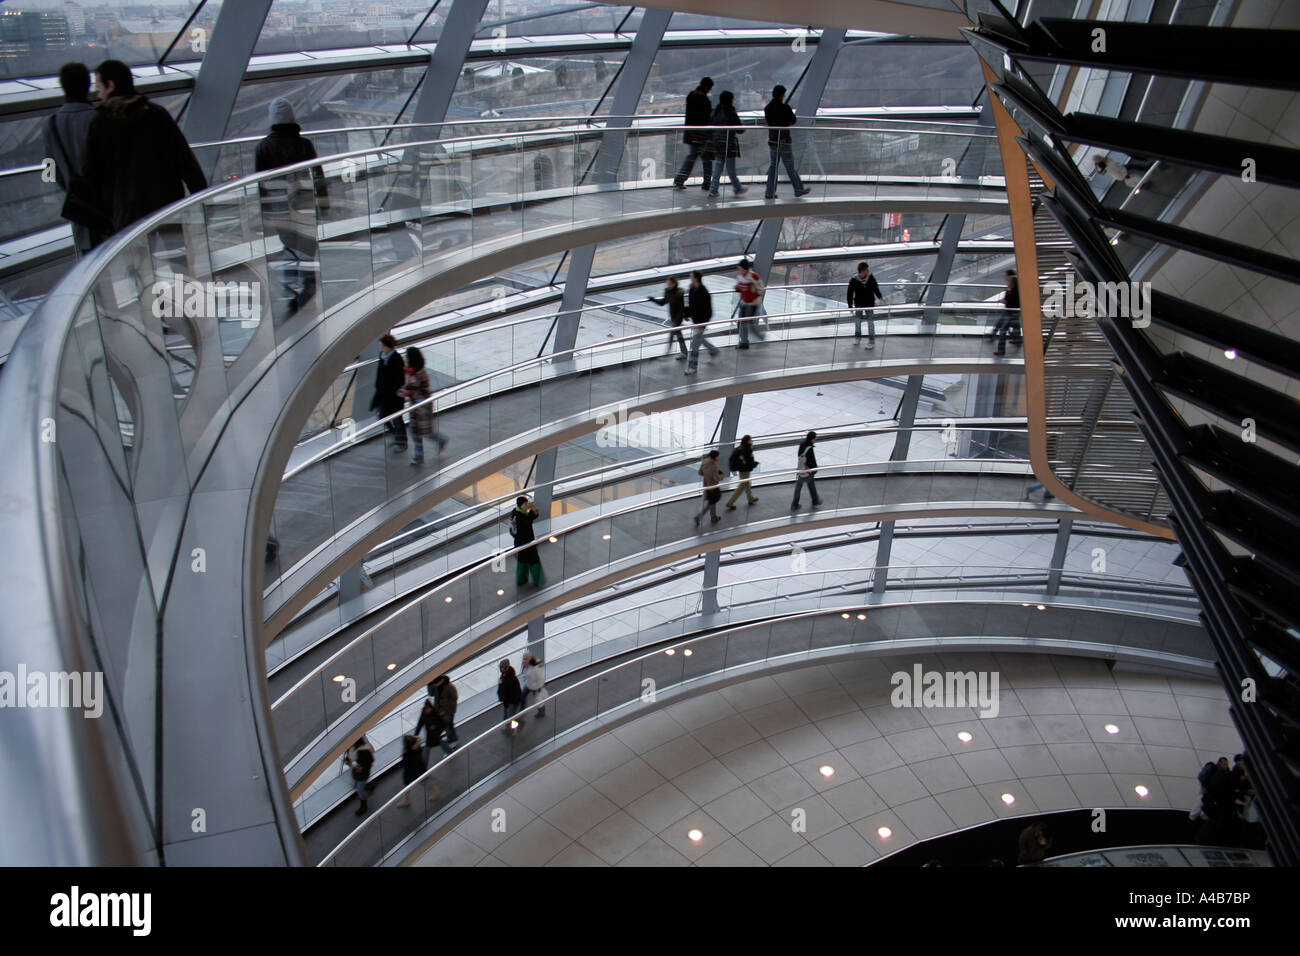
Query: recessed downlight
{"points": [[884, 832], [1142, 791], [687, 653], [826, 770], [1111, 729], [552, 539], [695, 836], [671, 651], [965, 736], [339, 678], [1230, 353], [1008, 799]]}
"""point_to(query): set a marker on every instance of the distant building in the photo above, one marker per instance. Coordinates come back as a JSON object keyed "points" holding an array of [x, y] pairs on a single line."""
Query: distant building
{"points": [[23, 33]]}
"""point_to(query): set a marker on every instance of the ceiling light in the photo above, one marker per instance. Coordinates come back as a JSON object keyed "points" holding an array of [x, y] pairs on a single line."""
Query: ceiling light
{"points": [[884, 832], [514, 725], [1230, 353], [1141, 791], [1042, 607], [392, 667], [688, 652], [604, 537], [447, 599], [695, 835], [552, 539], [826, 770], [1008, 799], [339, 678], [500, 591], [862, 617], [965, 736], [846, 615], [1111, 729]]}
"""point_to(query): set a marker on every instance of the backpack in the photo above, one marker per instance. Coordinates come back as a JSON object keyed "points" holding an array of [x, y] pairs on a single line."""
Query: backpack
{"points": [[514, 524], [803, 462]]}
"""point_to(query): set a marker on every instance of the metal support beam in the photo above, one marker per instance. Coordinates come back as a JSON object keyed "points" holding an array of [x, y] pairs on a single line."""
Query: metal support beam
{"points": [[448, 58], [221, 73], [1058, 555]]}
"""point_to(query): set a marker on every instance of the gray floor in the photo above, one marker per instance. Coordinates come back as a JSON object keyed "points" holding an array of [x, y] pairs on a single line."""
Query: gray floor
{"points": [[737, 764]]}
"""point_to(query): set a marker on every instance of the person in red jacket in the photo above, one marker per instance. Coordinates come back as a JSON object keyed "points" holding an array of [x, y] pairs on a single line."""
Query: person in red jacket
{"points": [[750, 289]]}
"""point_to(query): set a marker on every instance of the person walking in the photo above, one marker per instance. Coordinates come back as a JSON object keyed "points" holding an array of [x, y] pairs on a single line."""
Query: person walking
{"points": [[137, 159], [749, 286], [510, 695], [387, 400], [65, 142], [289, 206], [712, 474], [742, 463], [1010, 320], [433, 725], [699, 112], [529, 562], [412, 765], [534, 681], [416, 390], [700, 307], [675, 299], [726, 144], [360, 758], [807, 471], [780, 145], [864, 293], [445, 698]]}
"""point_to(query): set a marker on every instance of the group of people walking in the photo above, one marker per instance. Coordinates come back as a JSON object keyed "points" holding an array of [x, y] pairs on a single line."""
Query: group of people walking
{"points": [[713, 139], [743, 464], [398, 384], [517, 691]]}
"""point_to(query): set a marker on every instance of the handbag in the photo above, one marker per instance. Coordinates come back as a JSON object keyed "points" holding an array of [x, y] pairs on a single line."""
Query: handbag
{"points": [[80, 204]]}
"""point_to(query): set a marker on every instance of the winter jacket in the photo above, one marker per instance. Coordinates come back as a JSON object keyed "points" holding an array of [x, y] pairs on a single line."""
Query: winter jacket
{"points": [[711, 471], [1011, 298], [389, 378], [72, 125], [445, 698], [675, 299], [809, 457], [508, 690], [534, 677], [699, 112], [863, 295], [778, 115], [701, 304], [726, 142], [138, 160], [523, 533], [416, 389], [742, 459]]}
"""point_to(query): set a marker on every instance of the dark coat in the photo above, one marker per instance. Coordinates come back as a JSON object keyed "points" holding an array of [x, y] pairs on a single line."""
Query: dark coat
{"points": [[445, 698], [389, 378], [69, 128], [412, 765], [675, 299], [1011, 298], [523, 534], [508, 689], [863, 295], [431, 723], [699, 112], [726, 142], [290, 204], [138, 160], [778, 115], [810, 456], [742, 459], [701, 304]]}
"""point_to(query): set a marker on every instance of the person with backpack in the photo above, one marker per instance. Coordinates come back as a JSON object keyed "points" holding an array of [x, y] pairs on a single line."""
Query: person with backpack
{"points": [[416, 391], [699, 112], [749, 286], [807, 472], [864, 292], [675, 299], [65, 143], [742, 463], [726, 144], [534, 681], [509, 694], [700, 307], [360, 758], [290, 205], [529, 562], [712, 475], [779, 118]]}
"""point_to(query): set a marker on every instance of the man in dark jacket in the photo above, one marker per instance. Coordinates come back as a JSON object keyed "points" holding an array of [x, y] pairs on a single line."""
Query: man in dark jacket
{"points": [[742, 463], [699, 112], [509, 693], [675, 299], [779, 118], [137, 158], [700, 307], [445, 698], [65, 141], [864, 293], [389, 377], [289, 204], [521, 531]]}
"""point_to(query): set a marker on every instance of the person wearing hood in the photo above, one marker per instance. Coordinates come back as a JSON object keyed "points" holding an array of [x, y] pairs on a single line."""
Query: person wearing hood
{"points": [[65, 142], [289, 205], [137, 159]]}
